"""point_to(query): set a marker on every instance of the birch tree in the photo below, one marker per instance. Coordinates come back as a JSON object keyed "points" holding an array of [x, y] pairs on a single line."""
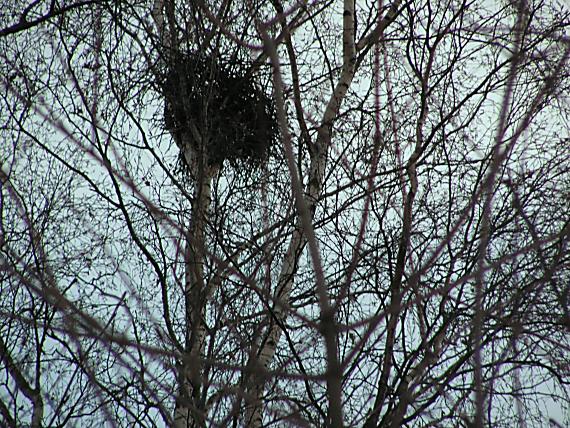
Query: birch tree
{"points": [[389, 248]]}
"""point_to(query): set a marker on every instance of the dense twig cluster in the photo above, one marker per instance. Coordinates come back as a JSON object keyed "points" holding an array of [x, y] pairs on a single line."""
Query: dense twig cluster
{"points": [[221, 109]]}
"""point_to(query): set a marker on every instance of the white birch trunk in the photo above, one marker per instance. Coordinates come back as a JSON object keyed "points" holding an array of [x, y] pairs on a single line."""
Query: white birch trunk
{"points": [[254, 386], [189, 410]]}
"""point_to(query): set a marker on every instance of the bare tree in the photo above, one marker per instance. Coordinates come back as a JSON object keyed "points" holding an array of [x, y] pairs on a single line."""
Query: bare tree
{"points": [[250, 213]]}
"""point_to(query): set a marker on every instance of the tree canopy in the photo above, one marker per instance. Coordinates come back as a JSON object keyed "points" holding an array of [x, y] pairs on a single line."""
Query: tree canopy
{"points": [[285, 213]]}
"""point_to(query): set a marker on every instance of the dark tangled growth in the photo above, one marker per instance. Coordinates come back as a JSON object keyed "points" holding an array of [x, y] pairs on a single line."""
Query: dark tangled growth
{"points": [[232, 116]]}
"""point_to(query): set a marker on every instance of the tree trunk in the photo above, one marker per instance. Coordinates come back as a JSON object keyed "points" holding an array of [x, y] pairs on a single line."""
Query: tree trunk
{"points": [[189, 410]]}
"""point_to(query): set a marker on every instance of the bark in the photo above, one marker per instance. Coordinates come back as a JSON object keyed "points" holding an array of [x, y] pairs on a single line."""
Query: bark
{"points": [[190, 410], [265, 348]]}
